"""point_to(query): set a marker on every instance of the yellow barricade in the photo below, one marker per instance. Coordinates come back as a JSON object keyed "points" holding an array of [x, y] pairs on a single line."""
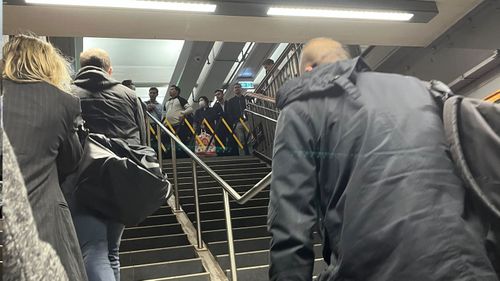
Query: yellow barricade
{"points": [[152, 130], [205, 122], [244, 125], [231, 131], [194, 133]]}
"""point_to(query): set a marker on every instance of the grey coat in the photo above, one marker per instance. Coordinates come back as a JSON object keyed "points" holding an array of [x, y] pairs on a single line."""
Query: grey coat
{"points": [[25, 256], [363, 156], [40, 121]]}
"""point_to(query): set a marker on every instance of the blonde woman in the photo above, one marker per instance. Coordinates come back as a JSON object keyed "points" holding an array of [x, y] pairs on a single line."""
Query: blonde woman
{"points": [[40, 118]]}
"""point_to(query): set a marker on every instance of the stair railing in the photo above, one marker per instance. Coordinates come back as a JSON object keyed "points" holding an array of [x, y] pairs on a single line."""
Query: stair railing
{"points": [[226, 188], [262, 108]]}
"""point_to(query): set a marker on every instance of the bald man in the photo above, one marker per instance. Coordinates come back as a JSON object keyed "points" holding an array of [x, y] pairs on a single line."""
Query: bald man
{"points": [[361, 158]]}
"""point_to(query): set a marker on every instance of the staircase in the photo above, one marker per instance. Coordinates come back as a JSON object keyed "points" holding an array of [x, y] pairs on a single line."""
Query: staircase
{"points": [[249, 221], [158, 249]]}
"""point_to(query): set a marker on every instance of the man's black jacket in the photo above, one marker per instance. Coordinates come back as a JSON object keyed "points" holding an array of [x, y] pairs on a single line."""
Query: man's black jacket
{"points": [[362, 155], [108, 107]]}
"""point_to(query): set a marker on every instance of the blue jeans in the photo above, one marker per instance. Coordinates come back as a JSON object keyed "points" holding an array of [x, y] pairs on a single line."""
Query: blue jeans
{"points": [[99, 240]]}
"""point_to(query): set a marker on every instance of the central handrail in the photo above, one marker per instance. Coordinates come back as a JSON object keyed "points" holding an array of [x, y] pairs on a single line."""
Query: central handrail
{"points": [[240, 199]]}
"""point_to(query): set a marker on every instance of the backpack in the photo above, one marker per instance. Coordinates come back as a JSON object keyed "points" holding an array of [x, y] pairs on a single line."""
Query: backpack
{"points": [[472, 129]]}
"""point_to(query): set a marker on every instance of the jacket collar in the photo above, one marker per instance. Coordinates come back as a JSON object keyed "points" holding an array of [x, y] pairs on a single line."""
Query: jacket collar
{"points": [[94, 78], [320, 79]]}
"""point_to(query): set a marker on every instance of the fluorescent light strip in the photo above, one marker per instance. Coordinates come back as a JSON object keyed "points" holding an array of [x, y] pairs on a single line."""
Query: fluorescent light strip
{"points": [[130, 4], [340, 14]]}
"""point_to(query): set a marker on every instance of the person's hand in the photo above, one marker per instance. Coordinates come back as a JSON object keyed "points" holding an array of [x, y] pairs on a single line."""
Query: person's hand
{"points": [[150, 107]]}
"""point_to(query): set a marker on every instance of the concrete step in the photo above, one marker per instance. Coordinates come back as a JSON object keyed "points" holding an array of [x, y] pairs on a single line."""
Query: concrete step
{"points": [[216, 189], [157, 255], [161, 269], [236, 222], [159, 219], [154, 230], [238, 233], [212, 206], [237, 213], [223, 172], [218, 167], [262, 272], [163, 210], [214, 161], [213, 158], [143, 243], [240, 245], [188, 185], [205, 276], [241, 175], [256, 258], [217, 197]]}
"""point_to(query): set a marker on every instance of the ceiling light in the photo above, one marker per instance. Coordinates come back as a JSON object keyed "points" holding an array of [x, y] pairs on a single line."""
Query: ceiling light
{"points": [[340, 14], [131, 4]]}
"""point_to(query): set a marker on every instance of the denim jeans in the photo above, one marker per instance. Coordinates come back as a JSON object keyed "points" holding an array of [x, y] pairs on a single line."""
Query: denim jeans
{"points": [[99, 240]]}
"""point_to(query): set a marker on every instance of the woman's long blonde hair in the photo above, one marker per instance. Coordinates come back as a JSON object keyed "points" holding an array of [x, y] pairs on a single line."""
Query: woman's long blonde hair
{"points": [[30, 59]]}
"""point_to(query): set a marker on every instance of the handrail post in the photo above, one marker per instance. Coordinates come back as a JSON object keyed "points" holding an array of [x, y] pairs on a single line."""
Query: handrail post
{"points": [[230, 240], [174, 171], [160, 154], [197, 206]]}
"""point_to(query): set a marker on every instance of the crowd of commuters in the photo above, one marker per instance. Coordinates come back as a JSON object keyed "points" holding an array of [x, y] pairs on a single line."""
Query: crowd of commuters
{"points": [[225, 119], [371, 175]]}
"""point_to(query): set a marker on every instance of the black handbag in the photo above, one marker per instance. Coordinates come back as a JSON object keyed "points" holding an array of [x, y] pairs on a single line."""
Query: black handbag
{"points": [[120, 181]]}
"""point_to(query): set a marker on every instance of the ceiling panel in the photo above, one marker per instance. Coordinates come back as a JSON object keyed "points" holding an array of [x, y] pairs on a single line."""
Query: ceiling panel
{"points": [[143, 61], [122, 23]]}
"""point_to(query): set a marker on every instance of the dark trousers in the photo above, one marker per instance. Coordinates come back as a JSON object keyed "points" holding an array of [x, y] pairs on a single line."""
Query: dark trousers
{"points": [[184, 135]]}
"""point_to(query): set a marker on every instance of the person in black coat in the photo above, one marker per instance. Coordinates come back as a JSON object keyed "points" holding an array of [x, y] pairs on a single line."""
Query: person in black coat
{"points": [[40, 119], [361, 157], [204, 113], [221, 111], [114, 110], [236, 117]]}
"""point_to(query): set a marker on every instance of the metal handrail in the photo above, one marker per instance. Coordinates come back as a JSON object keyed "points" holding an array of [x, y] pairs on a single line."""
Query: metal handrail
{"points": [[292, 50], [241, 199], [275, 66], [227, 190], [262, 103], [262, 115], [261, 97]]}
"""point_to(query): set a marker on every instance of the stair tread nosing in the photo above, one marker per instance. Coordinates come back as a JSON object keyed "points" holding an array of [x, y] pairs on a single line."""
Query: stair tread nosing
{"points": [[152, 242], [157, 255], [240, 245], [153, 230], [161, 269], [261, 272], [256, 258], [204, 276]]}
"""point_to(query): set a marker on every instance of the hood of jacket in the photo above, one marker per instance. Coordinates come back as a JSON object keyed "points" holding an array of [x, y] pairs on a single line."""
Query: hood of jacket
{"points": [[319, 80], [94, 78]]}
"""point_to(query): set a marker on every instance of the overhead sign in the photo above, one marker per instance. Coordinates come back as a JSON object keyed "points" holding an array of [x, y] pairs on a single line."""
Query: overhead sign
{"points": [[246, 84]]}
